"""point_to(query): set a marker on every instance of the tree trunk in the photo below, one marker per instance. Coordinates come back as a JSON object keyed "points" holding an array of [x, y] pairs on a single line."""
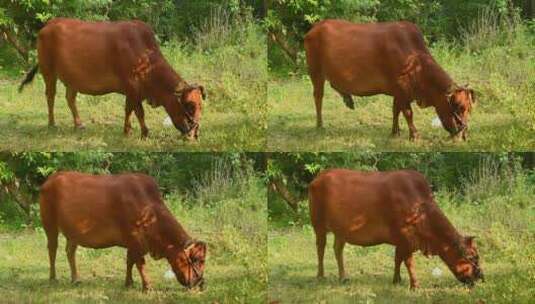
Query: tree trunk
{"points": [[284, 45], [12, 39], [12, 189], [278, 187]]}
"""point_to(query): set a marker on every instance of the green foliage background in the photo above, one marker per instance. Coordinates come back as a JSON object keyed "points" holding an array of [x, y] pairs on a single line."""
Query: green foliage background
{"points": [[438, 19], [200, 178], [489, 195], [218, 198], [467, 178]]}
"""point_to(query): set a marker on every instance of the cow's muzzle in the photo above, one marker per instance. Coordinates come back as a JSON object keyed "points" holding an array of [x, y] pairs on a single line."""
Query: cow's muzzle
{"points": [[459, 130]]}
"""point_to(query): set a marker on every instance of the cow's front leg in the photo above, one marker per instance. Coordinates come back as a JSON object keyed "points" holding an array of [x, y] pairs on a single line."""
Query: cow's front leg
{"points": [[140, 113], [407, 112], [409, 263], [339, 244], [70, 95], [140, 264]]}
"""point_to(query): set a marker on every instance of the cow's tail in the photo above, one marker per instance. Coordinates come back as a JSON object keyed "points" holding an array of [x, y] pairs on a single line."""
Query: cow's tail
{"points": [[29, 77]]}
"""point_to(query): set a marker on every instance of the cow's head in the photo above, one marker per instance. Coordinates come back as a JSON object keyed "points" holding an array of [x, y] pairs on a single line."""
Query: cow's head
{"points": [[465, 265], [455, 113], [188, 116], [187, 262]]}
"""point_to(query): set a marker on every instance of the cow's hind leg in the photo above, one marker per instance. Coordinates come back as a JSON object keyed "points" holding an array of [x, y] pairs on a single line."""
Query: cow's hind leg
{"points": [[130, 261], [52, 244], [48, 220], [128, 109], [316, 76], [70, 95], [348, 99], [318, 81], [396, 109], [70, 248], [50, 91], [339, 244], [321, 241], [397, 265]]}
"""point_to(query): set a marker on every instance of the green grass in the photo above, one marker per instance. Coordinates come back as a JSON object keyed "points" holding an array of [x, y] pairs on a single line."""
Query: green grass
{"points": [[236, 268], [234, 116], [505, 242], [503, 120]]}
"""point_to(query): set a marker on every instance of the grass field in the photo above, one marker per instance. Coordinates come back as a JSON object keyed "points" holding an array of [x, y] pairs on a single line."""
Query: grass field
{"points": [[503, 76], [505, 242], [236, 268], [234, 117]]}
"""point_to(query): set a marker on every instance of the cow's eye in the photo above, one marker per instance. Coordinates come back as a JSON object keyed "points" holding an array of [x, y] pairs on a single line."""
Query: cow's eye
{"points": [[190, 107]]}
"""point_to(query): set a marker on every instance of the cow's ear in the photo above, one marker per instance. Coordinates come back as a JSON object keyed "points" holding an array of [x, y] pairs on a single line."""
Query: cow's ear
{"points": [[198, 250], [180, 88], [469, 240], [203, 92], [472, 95]]}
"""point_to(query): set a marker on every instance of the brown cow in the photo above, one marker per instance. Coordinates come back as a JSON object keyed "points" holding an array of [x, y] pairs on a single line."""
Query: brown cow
{"points": [[98, 58], [397, 208], [385, 58], [127, 210]]}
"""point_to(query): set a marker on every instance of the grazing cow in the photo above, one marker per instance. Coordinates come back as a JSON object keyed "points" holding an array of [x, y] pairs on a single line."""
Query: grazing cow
{"points": [[385, 58], [98, 58], [127, 210], [396, 208]]}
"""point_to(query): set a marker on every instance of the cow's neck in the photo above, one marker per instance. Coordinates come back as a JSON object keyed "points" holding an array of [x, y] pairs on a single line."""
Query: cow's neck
{"points": [[168, 233], [434, 83], [445, 239], [162, 83]]}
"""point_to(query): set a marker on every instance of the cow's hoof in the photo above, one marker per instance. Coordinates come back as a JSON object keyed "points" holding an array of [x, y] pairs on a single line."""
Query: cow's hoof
{"points": [[344, 280], [52, 127], [147, 288], [395, 134], [144, 134], [396, 281], [414, 137], [79, 127], [75, 282]]}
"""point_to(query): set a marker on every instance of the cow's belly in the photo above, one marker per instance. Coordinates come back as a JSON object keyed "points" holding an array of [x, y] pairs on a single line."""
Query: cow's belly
{"points": [[92, 232], [89, 74], [362, 231], [358, 80], [103, 84]]}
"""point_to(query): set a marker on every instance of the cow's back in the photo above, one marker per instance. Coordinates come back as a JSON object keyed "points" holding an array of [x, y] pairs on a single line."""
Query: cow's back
{"points": [[98, 210], [93, 57], [362, 59], [365, 208]]}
